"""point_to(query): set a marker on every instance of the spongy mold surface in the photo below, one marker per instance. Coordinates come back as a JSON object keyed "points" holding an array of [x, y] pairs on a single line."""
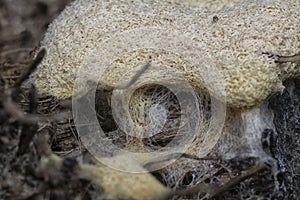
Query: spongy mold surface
{"points": [[211, 4], [228, 43], [234, 43]]}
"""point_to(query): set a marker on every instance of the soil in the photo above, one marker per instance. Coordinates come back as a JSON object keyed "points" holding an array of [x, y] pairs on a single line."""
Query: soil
{"points": [[22, 26]]}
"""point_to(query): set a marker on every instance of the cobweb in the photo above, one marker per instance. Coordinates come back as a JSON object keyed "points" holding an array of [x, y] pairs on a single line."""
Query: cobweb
{"points": [[241, 145]]}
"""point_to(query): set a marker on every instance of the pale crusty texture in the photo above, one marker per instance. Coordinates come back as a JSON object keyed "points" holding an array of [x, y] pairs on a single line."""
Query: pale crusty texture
{"points": [[234, 44], [211, 4], [114, 183], [124, 185]]}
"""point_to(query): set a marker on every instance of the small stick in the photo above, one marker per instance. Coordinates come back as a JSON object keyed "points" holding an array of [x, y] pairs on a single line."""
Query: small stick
{"points": [[2, 80], [236, 180], [285, 59], [201, 187], [33, 105], [135, 77], [31, 68], [67, 103], [13, 110], [28, 130], [178, 155], [214, 191]]}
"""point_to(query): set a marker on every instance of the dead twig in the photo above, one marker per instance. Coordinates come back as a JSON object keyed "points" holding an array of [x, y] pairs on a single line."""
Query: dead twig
{"points": [[67, 103], [214, 191], [236, 180], [31, 68], [200, 188], [285, 59], [28, 130], [176, 156], [14, 111], [134, 78]]}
